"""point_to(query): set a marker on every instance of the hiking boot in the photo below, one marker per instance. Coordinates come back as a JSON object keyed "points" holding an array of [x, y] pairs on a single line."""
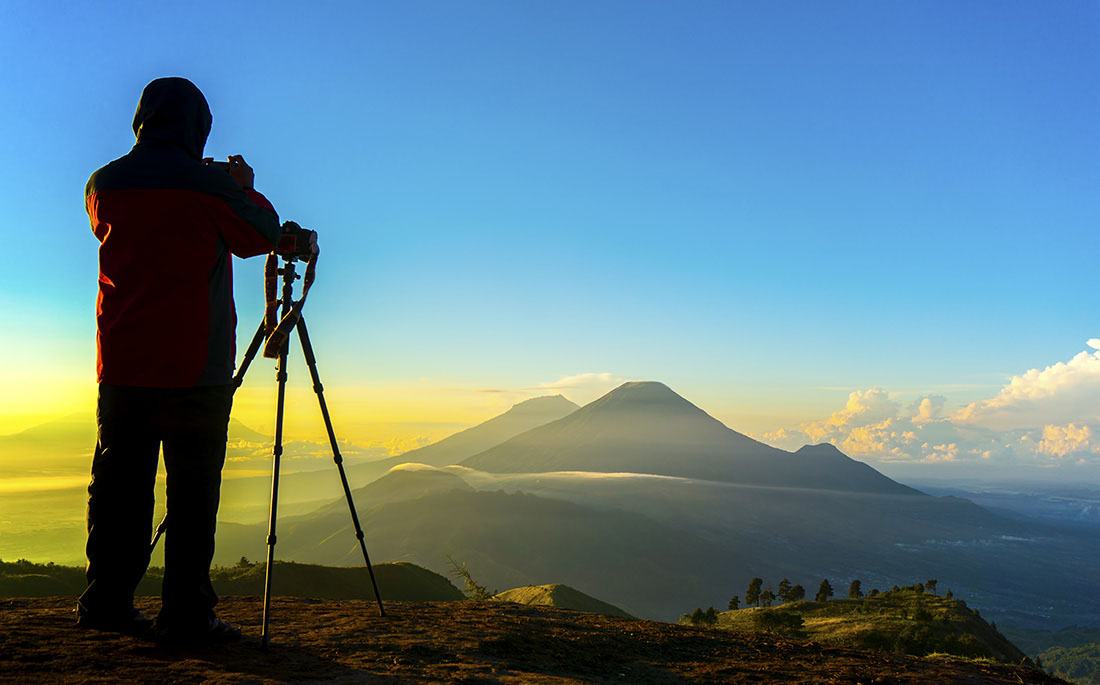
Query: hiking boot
{"points": [[213, 631], [131, 622]]}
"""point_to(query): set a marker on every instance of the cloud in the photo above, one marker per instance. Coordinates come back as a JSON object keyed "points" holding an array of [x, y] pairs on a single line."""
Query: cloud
{"points": [[1040, 417], [864, 408], [1058, 394], [928, 408], [584, 387], [940, 453], [1058, 441]]}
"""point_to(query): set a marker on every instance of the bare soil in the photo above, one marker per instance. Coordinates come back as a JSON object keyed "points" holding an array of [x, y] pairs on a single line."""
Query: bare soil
{"points": [[447, 642]]}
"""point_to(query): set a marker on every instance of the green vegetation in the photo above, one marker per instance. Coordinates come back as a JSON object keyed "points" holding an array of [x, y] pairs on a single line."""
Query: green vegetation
{"points": [[474, 590], [779, 622], [1033, 642], [752, 595], [767, 597], [397, 581], [1078, 664], [906, 620], [700, 617]]}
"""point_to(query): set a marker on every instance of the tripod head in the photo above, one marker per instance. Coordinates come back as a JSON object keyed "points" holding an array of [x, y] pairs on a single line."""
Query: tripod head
{"points": [[297, 243]]}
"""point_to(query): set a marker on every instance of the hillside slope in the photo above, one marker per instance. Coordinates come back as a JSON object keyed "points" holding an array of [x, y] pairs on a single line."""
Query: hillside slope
{"points": [[452, 642], [324, 483], [628, 540], [561, 596], [1080, 664], [903, 620], [396, 581]]}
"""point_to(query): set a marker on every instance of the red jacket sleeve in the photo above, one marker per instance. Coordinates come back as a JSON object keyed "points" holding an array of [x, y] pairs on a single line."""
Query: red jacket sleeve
{"points": [[247, 223]]}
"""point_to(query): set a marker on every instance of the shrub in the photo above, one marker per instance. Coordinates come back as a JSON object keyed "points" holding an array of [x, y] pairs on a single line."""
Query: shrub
{"points": [[474, 590], [786, 623]]}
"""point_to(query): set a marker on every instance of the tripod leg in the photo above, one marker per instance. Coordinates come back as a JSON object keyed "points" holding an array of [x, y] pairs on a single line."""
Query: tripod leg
{"points": [[277, 453], [161, 527], [311, 361]]}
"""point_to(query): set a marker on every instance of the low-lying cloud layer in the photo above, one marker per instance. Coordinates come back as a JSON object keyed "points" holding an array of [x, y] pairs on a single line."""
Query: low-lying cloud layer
{"points": [[1047, 416]]}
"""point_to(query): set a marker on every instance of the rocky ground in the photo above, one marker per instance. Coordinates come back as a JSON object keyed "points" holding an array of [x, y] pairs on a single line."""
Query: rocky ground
{"points": [[459, 642]]}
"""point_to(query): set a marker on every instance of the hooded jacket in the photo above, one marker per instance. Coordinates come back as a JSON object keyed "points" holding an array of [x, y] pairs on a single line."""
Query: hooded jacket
{"points": [[167, 224]]}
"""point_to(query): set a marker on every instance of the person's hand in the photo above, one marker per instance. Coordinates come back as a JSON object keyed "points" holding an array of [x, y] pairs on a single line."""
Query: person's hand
{"points": [[241, 172]]}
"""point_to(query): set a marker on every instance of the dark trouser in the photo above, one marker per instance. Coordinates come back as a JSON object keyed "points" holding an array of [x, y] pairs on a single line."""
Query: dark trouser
{"points": [[133, 423]]}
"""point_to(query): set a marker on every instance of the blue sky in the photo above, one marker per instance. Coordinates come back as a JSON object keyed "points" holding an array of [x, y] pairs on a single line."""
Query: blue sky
{"points": [[768, 206]]}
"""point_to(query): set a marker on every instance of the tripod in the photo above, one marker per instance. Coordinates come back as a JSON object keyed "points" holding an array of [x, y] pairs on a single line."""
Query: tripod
{"points": [[286, 301]]}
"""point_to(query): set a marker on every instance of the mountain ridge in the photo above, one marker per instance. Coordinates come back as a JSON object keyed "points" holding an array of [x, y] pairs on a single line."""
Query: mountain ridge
{"points": [[646, 427]]}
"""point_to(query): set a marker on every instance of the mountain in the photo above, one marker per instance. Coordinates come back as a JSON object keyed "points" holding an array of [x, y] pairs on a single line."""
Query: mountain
{"points": [[238, 432], [249, 496], [561, 596], [408, 482], [519, 419], [645, 427]]}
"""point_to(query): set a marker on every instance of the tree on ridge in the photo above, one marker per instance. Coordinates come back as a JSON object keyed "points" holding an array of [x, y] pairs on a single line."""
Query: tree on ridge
{"points": [[752, 595], [784, 591], [767, 597]]}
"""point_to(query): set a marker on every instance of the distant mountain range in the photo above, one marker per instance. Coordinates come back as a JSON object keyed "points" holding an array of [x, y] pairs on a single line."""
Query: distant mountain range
{"points": [[645, 427], [517, 420]]}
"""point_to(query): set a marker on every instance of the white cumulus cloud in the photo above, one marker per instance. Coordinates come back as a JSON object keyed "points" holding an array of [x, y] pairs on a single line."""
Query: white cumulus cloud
{"points": [[1058, 441], [1041, 417], [1060, 393]]}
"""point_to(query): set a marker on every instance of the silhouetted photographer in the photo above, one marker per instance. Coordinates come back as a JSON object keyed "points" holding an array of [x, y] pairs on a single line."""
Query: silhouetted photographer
{"points": [[167, 221]]}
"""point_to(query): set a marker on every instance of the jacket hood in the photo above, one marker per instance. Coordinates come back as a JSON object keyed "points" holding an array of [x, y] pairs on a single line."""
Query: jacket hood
{"points": [[173, 110]]}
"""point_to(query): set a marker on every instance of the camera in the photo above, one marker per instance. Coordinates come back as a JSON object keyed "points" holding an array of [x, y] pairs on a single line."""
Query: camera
{"points": [[297, 242], [224, 166]]}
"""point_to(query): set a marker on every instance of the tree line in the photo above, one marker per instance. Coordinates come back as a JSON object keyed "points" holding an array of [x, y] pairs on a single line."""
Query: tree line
{"points": [[758, 595]]}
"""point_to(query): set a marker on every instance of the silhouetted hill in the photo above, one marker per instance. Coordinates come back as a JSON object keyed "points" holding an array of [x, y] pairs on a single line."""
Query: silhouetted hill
{"points": [[509, 540], [407, 482], [561, 596], [644, 427], [450, 450], [396, 581]]}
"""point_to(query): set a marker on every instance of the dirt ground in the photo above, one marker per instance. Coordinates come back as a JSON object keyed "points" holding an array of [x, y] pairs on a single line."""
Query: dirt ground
{"points": [[446, 642]]}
